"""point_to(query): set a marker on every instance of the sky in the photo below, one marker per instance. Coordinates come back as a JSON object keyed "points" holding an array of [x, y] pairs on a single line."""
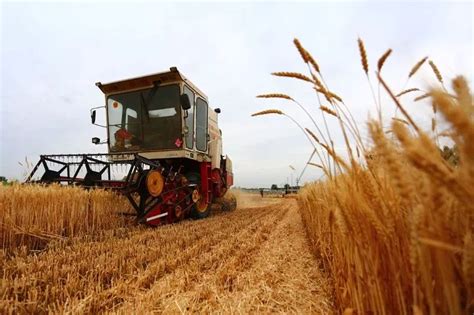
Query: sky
{"points": [[52, 53]]}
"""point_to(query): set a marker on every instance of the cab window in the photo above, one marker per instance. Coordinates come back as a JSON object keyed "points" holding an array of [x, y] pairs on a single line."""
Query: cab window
{"points": [[201, 124]]}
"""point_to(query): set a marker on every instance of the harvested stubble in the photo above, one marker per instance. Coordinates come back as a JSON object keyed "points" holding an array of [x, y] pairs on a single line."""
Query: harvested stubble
{"points": [[246, 261], [33, 215]]}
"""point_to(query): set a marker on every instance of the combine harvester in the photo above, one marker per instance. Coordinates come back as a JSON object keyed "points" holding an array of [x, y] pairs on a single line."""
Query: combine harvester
{"points": [[164, 150]]}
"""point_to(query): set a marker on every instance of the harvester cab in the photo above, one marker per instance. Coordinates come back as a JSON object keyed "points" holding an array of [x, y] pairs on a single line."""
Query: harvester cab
{"points": [[164, 150]]}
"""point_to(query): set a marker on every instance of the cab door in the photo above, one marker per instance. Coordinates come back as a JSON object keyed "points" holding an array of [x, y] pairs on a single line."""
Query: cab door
{"points": [[189, 120]]}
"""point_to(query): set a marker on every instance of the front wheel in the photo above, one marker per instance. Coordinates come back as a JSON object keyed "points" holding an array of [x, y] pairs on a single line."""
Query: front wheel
{"points": [[200, 209]]}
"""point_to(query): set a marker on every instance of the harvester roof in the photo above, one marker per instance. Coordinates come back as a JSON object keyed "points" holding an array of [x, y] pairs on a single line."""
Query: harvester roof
{"points": [[146, 81]]}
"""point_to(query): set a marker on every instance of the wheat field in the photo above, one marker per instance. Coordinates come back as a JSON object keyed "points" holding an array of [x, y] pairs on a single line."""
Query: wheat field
{"points": [[33, 215], [388, 230], [393, 221]]}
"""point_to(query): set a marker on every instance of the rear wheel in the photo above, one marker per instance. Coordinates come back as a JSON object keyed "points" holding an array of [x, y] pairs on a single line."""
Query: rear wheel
{"points": [[200, 209]]}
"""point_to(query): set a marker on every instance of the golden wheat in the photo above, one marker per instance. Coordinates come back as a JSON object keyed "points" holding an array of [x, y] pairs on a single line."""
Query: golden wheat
{"points": [[421, 97], [312, 135], [407, 91], [416, 67], [335, 96], [294, 75], [383, 58], [305, 55], [328, 110], [436, 71], [33, 215], [401, 120], [301, 50], [274, 95], [267, 112], [395, 232], [363, 56]]}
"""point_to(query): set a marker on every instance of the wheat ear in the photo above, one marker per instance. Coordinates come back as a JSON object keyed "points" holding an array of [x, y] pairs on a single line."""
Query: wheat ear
{"points": [[421, 97], [416, 67], [312, 134], [307, 58], [267, 112], [294, 75], [436, 71], [363, 56], [407, 91], [275, 95], [328, 110], [383, 58]]}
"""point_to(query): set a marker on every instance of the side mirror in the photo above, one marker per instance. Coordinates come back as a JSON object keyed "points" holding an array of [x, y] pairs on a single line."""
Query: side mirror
{"points": [[95, 140], [217, 110], [93, 116], [185, 102]]}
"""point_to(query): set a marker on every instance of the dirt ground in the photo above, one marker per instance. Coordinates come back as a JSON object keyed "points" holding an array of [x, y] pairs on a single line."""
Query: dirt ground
{"points": [[253, 259]]}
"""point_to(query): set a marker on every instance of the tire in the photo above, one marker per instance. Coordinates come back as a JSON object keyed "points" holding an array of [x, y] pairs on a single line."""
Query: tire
{"points": [[198, 210]]}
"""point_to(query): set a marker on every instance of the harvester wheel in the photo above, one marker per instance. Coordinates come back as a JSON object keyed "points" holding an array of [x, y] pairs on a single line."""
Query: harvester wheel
{"points": [[199, 209]]}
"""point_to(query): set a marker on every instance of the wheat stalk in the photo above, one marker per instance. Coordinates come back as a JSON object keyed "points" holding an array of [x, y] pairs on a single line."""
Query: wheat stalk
{"points": [[397, 102]]}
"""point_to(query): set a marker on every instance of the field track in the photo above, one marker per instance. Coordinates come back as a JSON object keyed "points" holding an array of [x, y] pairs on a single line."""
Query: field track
{"points": [[254, 259]]}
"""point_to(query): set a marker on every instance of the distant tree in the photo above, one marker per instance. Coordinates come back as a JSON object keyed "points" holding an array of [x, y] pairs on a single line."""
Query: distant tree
{"points": [[4, 181], [451, 155], [274, 187]]}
